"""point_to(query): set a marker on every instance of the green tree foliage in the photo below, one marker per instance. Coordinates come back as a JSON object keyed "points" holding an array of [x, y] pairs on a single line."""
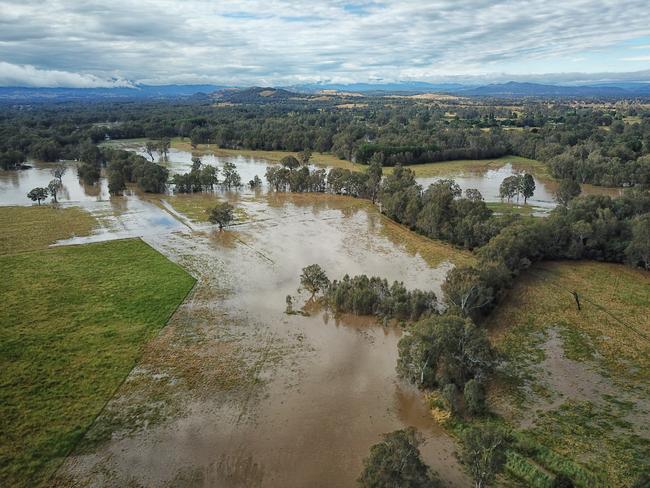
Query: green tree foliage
{"points": [[444, 349], [509, 187], [396, 462], [11, 159], [54, 187], [562, 481], [567, 190], [37, 194], [527, 186], [231, 178], [116, 183], [362, 295], [221, 214], [474, 396], [313, 279], [483, 453], [638, 251], [255, 183]]}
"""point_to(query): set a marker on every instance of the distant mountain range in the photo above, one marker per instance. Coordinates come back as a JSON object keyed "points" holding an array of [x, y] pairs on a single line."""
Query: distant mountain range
{"points": [[271, 94], [136, 92]]}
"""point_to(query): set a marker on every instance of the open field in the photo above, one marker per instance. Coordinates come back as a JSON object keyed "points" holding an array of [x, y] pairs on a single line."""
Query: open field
{"points": [[36, 227], [72, 326], [575, 381]]}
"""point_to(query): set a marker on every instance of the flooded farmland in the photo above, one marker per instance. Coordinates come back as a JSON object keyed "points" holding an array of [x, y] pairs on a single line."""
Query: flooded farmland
{"points": [[234, 391]]}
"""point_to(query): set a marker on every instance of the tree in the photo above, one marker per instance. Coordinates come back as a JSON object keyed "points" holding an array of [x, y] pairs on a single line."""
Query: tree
{"points": [[484, 453], [11, 159], [375, 172], [163, 147], [37, 194], [527, 187], [567, 191], [290, 162], [221, 214], [509, 187], [474, 395], [231, 177], [58, 171], [149, 148], [395, 462], [638, 251], [255, 183], [116, 183], [314, 279], [467, 291], [442, 349], [54, 187], [304, 157]]}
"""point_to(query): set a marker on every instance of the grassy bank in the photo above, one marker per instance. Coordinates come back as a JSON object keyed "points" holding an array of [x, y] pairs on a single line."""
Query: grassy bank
{"points": [[36, 227], [72, 325]]}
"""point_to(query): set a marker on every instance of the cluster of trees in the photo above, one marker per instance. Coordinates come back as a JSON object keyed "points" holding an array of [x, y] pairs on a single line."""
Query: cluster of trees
{"points": [[451, 353], [162, 146], [363, 295], [294, 175], [519, 184], [441, 211], [594, 227], [204, 177], [127, 167], [588, 145]]}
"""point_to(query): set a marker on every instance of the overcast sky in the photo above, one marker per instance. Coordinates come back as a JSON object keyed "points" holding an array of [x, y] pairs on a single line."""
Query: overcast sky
{"points": [[272, 42]]}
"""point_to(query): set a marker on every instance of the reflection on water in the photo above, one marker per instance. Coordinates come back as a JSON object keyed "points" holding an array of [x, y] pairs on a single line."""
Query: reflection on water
{"points": [[14, 185]]}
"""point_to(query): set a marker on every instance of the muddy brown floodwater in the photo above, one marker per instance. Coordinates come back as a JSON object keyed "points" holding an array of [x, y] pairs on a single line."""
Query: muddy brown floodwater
{"points": [[235, 392]]}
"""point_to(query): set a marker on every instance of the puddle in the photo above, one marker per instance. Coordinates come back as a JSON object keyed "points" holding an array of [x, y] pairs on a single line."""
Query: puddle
{"points": [[579, 381]]}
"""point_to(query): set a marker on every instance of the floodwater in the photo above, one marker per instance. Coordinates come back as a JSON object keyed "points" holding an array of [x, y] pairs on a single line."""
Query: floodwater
{"points": [[250, 395], [311, 395]]}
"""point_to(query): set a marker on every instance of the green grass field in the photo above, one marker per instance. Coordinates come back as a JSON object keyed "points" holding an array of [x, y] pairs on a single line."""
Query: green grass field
{"points": [[72, 325]]}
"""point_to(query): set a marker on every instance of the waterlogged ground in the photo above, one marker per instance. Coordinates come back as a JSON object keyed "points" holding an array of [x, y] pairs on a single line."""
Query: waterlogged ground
{"points": [[235, 392]]}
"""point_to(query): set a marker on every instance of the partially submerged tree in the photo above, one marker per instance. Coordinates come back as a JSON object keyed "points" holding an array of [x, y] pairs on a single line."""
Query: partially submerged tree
{"points": [[527, 187], [221, 214], [313, 279], [395, 462], [290, 162], [116, 183], [231, 178], [54, 187], [58, 171], [149, 148], [483, 453], [37, 194], [255, 183]]}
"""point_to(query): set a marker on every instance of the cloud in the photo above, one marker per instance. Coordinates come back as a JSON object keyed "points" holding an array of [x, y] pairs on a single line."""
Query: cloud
{"points": [[296, 41], [641, 59], [15, 75]]}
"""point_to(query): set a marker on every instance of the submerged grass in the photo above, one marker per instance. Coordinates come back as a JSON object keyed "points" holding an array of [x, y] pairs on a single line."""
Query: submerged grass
{"points": [[593, 441], [73, 323], [613, 320], [36, 227]]}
